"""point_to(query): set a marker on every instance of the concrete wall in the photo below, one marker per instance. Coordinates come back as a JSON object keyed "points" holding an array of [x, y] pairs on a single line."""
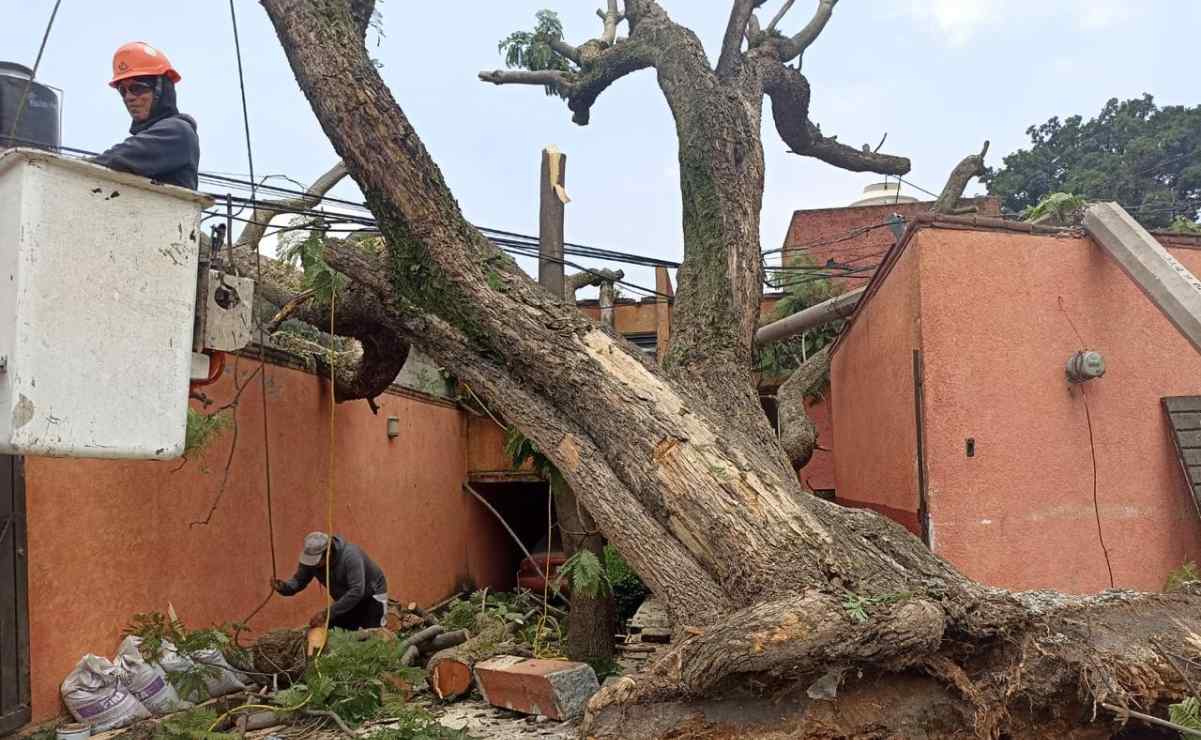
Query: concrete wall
{"points": [[108, 539], [871, 392], [818, 474], [995, 333]]}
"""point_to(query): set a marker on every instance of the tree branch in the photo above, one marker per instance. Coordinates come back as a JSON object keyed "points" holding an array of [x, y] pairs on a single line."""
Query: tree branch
{"points": [[796, 46], [253, 232], [591, 277], [731, 45], [564, 49], [581, 89], [798, 434], [612, 17], [789, 93], [948, 200], [780, 15], [561, 81]]}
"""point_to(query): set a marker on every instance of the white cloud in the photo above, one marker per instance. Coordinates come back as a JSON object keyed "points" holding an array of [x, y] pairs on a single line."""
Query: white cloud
{"points": [[958, 22]]}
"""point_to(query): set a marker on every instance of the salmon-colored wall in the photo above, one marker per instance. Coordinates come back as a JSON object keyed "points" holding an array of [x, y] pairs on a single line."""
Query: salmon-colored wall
{"points": [[818, 473], [108, 539], [871, 393], [1020, 514]]}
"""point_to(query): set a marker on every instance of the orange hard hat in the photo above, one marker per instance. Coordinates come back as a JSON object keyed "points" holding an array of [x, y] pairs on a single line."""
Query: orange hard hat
{"points": [[139, 59]]}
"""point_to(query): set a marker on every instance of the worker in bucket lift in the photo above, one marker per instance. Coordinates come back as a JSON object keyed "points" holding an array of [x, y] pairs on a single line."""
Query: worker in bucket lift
{"points": [[357, 584], [163, 144]]}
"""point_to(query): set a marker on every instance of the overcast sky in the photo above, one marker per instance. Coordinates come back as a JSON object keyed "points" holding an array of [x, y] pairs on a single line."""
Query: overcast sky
{"points": [[938, 75]]}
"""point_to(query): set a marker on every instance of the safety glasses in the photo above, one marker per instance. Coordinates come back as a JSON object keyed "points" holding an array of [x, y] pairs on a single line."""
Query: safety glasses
{"points": [[136, 88]]}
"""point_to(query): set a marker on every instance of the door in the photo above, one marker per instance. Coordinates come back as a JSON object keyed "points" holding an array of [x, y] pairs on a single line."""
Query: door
{"points": [[14, 624]]}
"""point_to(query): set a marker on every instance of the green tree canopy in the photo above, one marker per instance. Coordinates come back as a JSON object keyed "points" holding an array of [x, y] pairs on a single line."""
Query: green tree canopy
{"points": [[1145, 157]]}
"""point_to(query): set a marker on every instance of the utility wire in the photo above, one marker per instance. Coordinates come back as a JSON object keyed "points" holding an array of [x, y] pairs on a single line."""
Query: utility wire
{"points": [[33, 75], [233, 17]]}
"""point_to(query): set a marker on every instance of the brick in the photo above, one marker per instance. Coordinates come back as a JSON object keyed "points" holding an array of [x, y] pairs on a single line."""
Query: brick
{"points": [[558, 689]]}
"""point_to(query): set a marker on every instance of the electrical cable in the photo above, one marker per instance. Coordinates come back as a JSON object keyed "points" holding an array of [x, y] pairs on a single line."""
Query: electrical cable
{"points": [[34, 73]]}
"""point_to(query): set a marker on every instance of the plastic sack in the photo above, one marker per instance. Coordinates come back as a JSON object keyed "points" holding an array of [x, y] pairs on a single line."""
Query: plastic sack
{"points": [[96, 695], [219, 676], [147, 681]]}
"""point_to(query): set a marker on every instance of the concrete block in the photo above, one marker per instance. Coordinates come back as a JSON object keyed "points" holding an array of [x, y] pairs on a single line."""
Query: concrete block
{"points": [[558, 689], [1171, 287]]}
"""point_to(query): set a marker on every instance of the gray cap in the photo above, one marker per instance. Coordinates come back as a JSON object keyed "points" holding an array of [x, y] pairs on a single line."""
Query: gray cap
{"points": [[315, 544]]}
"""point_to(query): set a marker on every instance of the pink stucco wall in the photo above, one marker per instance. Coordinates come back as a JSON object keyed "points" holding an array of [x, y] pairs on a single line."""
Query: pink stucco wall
{"points": [[108, 539], [818, 473], [994, 309], [871, 392]]}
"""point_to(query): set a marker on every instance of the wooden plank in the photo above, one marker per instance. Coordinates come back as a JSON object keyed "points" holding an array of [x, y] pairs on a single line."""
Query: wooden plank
{"points": [[1192, 457], [1186, 421], [1182, 403], [1194, 474]]}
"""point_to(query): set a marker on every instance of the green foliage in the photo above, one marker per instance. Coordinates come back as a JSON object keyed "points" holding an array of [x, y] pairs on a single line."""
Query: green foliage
{"points": [[156, 629], [531, 50], [628, 590], [859, 607], [304, 249], [1186, 714], [193, 724], [1145, 157], [521, 449], [348, 678], [586, 575], [1186, 575], [1060, 205], [203, 429], [1182, 225]]}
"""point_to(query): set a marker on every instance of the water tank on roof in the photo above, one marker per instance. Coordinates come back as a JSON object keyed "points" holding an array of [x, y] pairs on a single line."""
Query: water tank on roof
{"points": [[883, 193], [39, 124]]}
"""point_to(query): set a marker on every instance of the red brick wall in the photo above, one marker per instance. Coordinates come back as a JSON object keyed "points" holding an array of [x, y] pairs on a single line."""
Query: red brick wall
{"points": [[857, 244]]}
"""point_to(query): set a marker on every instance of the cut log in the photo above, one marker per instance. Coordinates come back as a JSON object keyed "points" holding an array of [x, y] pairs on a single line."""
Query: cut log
{"points": [[449, 671]]}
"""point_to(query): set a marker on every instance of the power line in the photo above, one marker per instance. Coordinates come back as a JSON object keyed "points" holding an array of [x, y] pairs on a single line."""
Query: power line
{"points": [[33, 75]]}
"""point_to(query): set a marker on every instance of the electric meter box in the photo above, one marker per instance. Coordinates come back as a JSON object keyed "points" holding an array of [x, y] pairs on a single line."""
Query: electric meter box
{"points": [[97, 298]]}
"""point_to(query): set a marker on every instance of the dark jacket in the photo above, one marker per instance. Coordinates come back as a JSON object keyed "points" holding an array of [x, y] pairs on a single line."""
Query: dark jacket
{"points": [[164, 147], [354, 577]]}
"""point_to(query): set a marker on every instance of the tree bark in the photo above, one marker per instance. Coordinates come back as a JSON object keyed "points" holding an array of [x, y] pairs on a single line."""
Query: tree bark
{"points": [[592, 620], [679, 467]]}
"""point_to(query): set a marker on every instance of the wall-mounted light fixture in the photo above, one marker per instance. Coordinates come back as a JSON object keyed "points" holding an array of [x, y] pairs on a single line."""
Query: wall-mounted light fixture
{"points": [[1084, 366], [393, 427]]}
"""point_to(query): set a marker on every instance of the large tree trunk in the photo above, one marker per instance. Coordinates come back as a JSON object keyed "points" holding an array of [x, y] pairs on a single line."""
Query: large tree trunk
{"points": [[593, 617], [679, 468]]}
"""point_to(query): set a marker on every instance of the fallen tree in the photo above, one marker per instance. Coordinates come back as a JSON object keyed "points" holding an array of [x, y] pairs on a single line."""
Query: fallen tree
{"points": [[780, 595]]}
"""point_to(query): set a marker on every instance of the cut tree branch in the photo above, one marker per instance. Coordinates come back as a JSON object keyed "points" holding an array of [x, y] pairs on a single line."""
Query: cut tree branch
{"points": [[612, 17], [564, 49], [591, 277], [952, 192], [794, 47], [561, 81], [789, 93], [253, 232]]}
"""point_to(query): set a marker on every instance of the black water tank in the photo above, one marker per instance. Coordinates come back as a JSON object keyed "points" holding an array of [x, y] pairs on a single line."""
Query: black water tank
{"points": [[39, 123]]}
